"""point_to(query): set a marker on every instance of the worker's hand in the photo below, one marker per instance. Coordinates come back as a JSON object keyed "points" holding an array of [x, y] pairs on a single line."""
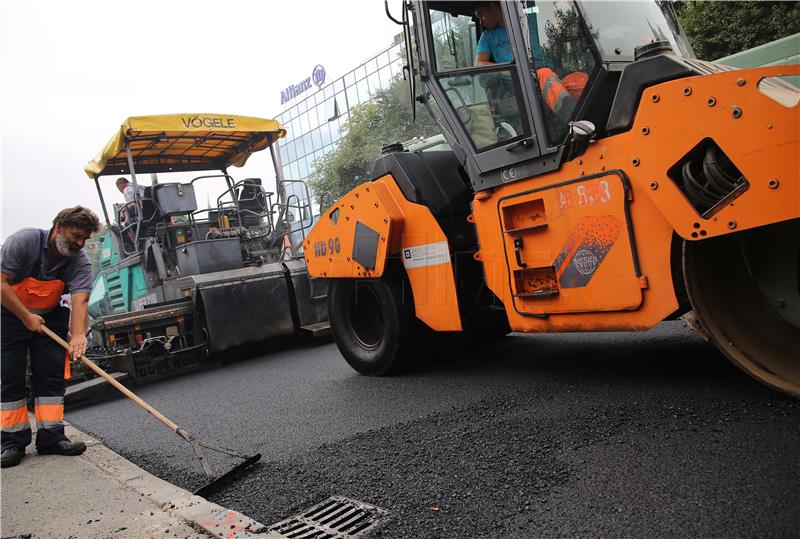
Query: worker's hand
{"points": [[77, 346], [33, 322]]}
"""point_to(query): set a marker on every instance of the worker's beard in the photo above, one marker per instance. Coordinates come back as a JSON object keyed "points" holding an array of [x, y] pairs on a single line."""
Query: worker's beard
{"points": [[66, 247]]}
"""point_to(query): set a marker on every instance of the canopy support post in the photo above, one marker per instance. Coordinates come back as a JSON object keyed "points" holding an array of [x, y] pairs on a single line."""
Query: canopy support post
{"points": [[278, 169], [280, 187], [102, 201], [136, 198]]}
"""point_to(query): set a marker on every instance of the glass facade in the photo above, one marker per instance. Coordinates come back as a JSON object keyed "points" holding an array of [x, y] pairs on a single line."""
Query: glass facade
{"points": [[315, 123]]}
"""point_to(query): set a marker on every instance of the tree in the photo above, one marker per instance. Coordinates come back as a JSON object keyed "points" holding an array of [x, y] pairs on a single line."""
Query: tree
{"points": [[566, 49], [384, 120], [717, 28]]}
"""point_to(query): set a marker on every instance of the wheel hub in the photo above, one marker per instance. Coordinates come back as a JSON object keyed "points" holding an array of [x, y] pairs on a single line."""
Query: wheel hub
{"points": [[366, 318]]}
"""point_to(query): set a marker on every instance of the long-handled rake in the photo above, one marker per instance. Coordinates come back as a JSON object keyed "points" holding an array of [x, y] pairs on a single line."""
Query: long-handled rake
{"points": [[214, 481]]}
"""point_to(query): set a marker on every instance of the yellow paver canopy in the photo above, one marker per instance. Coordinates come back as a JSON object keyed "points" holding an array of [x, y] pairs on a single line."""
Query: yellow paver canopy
{"points": [[184, 142]]}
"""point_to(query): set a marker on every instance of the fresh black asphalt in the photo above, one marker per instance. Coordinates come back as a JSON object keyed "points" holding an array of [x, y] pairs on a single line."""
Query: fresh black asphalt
{"points": [[650, 434]]}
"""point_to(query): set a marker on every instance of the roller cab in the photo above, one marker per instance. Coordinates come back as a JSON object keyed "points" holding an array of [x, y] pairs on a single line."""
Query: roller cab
{"points": [[604, 179]]}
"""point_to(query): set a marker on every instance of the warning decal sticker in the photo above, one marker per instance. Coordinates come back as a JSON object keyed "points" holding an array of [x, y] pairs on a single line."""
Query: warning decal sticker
{"points": [[422, 256], [585, 248]]}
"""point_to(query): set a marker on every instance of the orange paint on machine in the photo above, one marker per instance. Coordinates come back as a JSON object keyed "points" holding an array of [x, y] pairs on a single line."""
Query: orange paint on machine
{"points": [[678, 198]]}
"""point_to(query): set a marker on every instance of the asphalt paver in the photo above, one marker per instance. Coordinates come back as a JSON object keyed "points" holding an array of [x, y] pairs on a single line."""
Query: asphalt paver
{"points": [[537, 435]]}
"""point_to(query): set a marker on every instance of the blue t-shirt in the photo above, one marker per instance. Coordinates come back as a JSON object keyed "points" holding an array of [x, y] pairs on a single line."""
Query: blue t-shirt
{"points": [[495, 42]]}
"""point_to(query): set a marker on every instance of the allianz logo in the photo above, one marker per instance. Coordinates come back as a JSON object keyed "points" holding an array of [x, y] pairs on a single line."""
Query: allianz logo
{"points": [[293, 90]]}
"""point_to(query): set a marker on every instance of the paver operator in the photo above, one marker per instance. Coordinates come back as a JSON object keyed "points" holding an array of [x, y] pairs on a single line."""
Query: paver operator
{"points": [[37, 267]]}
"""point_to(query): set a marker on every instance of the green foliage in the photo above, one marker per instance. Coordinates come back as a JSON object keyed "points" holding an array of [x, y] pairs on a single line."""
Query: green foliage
{"points": [[566, 49], [718, 28], [384, 120], [453, 48]]}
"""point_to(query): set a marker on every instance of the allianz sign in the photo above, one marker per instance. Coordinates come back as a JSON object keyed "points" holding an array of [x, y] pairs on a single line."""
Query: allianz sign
{"points": [[317, 78]]}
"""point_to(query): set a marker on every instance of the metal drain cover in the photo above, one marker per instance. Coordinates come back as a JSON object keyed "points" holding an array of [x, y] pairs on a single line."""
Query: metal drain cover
{"points": [[337, 517]]}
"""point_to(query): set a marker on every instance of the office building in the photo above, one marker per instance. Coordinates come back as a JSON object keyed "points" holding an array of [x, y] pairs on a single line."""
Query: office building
{"points": [[317, 111]]}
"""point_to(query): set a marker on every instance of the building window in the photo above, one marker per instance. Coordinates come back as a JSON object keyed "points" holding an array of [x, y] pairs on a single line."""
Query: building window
{"points": [[332, 109], [307, 144], [352, 97], [341, 102], [338, 85], [302, 168], [383, 60], [372, 66], [397, 68], [334, 125], [325, 134], [363, 90], [316, 138], [386, 76], [313, 118], [374, 82]]}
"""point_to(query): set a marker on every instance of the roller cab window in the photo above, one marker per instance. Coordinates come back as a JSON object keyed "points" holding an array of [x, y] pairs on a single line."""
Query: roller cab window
{"points": [[486, 99], [561, 59]]}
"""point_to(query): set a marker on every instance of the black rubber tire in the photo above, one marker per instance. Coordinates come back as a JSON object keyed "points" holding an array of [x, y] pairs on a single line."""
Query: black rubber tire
{"points": [[372, 322]]}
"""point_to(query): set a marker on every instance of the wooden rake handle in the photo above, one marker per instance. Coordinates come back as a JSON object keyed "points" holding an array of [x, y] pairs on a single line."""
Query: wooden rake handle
{"points": [[195, 443], [108, 378]]}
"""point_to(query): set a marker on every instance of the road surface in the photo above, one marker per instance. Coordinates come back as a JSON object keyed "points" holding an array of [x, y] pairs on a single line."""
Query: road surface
{"points": [[648, 434]]}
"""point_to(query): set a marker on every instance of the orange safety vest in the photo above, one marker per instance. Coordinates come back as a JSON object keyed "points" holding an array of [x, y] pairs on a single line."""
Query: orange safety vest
{"points": [[40, 297], [558, 91], [575, 83], [552, 89]]}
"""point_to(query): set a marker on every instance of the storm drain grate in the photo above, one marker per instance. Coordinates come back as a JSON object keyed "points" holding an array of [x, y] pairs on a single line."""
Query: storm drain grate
{"points": [[337, 517]]}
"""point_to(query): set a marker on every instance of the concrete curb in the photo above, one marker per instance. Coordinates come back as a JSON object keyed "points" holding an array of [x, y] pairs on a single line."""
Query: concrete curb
{"points": [[208, 517]]}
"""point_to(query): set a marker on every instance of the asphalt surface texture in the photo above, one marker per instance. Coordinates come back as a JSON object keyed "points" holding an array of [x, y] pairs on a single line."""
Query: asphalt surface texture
{"points": [[617, 434]]}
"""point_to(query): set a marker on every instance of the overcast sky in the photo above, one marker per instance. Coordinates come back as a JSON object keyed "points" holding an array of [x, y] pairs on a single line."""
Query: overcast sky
{"points": [[73, 71]]}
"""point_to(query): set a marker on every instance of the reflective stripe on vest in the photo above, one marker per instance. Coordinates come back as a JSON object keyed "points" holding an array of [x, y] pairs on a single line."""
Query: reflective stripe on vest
{"points": [[553, 91], [39, 296], [14, 416]]}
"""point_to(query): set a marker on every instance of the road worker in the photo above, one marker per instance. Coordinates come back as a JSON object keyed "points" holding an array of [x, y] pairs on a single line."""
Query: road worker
{"points": [[129, 193], [37, 267], [494, 48], [128, 214]]}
